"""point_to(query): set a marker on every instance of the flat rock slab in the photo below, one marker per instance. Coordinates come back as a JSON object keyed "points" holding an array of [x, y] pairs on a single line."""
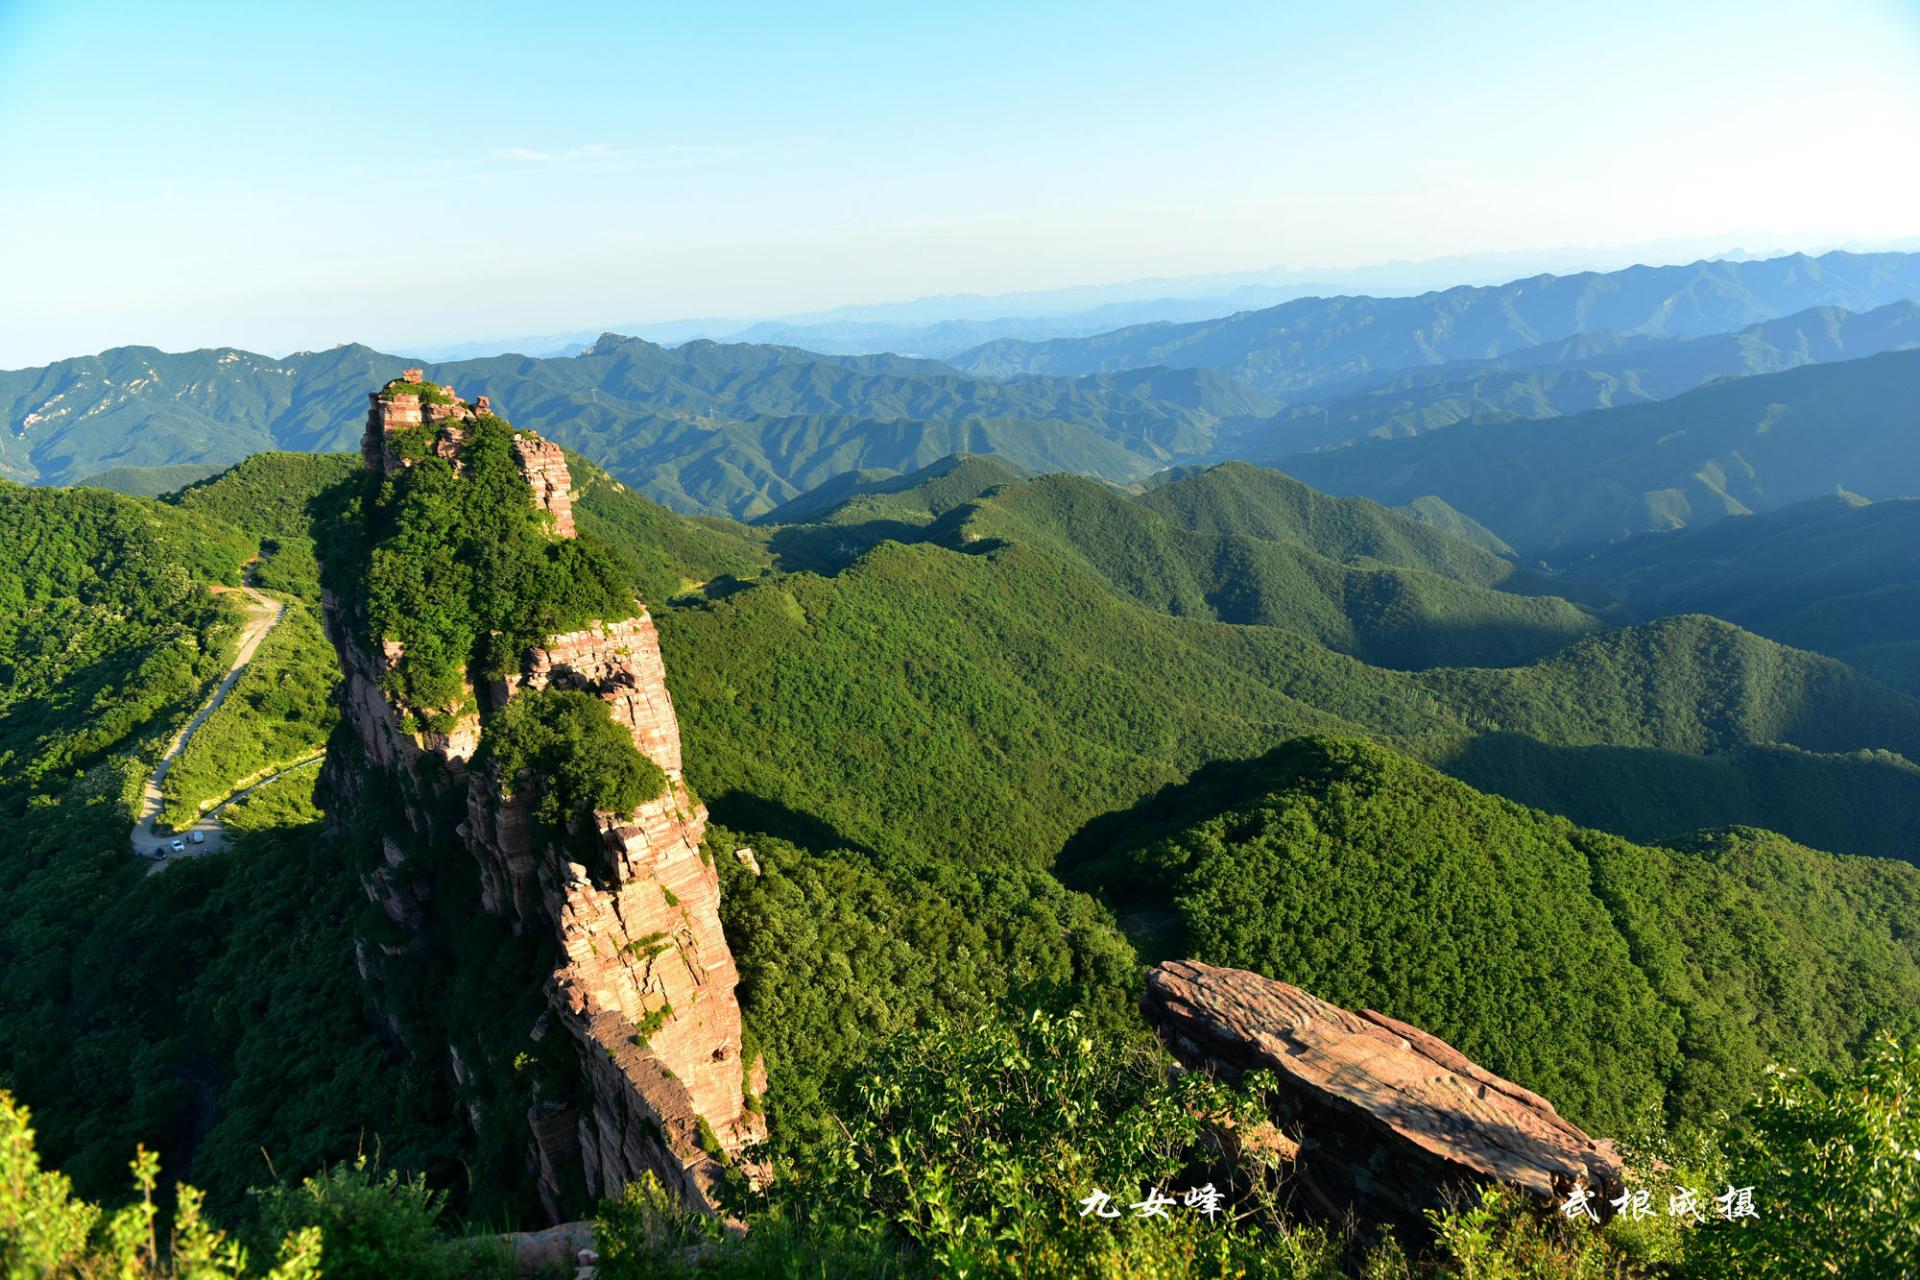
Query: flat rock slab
{"points": [[1390, 1119]]}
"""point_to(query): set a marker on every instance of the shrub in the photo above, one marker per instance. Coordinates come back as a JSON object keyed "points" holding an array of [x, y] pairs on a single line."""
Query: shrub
{"points": [[45, 1231], [1835, 1167], [973, 1149], [429, 392], [585, 762], [371, 1228]]}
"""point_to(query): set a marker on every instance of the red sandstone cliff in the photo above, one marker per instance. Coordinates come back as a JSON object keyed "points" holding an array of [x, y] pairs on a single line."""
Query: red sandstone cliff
{"points": [[1385, 1119], [644, 981]]}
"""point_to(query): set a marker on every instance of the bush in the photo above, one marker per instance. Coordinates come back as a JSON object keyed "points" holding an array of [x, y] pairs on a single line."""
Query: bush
{"points": [[371, 1228], [1835, 1167], [429, 392], [584, 761], [973, 1149], [44, 1231]]}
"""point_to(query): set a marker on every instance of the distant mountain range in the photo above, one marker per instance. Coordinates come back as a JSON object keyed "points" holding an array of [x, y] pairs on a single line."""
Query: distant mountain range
{"points": [[947, 324], [1317, 346], [740, 429], [1587, 371], [1837, 574], [702, 427]]}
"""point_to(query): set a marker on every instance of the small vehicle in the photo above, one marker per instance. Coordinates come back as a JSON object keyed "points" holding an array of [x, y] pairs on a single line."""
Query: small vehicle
{"points": [[177, 847], [161, 852], [198, 837]]}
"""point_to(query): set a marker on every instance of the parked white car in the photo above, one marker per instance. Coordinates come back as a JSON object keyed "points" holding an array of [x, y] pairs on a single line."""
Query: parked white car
{"points": [[198, 837], [177, 847]]}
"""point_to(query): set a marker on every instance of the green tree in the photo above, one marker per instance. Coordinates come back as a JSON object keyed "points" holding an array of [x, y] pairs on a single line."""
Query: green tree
{"points": [[1834, 1164]]}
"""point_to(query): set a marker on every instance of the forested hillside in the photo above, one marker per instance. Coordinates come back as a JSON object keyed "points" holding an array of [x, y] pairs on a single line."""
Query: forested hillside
{"points": [[703, 427], [741, 429], [105, 622], [209, 1011], [932, 490], [1386, 614], [1568, 486], [1520, 938], [1589, 371], [978, 696], [1838, 575]]}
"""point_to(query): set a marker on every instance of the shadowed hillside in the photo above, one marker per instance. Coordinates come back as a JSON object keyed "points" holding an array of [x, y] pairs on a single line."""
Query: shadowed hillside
{"points": [[1567, 486]]}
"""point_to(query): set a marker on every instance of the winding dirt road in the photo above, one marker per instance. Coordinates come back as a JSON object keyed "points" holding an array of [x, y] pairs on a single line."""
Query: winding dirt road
{"points": [[265, 614]]}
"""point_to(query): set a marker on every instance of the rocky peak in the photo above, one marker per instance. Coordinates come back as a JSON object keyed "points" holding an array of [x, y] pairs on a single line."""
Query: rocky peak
{"points": [[410, 401], [643, 980]]}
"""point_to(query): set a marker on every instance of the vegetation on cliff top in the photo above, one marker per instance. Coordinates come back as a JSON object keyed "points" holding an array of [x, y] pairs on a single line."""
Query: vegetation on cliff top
{"points": [[581, 762], [460, 571]]}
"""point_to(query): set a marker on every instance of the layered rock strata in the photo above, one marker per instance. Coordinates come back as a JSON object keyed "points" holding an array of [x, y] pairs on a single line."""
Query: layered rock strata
{"points": [[1389, 1119], [643, 985]]}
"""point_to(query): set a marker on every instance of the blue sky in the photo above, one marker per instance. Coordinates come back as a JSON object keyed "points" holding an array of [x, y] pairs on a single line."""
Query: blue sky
{"points": [[291, 176]]}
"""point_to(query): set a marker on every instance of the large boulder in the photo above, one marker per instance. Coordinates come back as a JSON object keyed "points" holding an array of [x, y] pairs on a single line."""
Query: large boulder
{"points": [[1390, 1121]]}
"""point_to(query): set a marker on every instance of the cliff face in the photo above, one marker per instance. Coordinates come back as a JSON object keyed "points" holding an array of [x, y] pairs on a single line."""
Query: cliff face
{"points": [[642, 981]]}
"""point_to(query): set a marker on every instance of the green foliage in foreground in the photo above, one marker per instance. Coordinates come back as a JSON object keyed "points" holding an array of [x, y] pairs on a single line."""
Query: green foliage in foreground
{"points": [[1837, 1161], [1373, 881], [46, 1232], [836, 954], [969, 1150], [372, 1227], [280, 710], [212, 1011]]}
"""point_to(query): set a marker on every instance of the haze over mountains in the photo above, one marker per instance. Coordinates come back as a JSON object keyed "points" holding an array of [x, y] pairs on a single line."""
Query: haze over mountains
{"points": [[1349, 342], [1567, 486], [947, 324]]}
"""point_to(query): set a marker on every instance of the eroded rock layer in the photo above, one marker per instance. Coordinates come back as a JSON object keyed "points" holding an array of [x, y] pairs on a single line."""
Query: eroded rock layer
{"points": [[643, 980], [1388, 1118]]}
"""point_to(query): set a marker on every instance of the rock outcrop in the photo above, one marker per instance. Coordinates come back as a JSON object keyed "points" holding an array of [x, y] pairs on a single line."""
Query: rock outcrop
{"points": [[643, 980], [1388, 1118]]}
